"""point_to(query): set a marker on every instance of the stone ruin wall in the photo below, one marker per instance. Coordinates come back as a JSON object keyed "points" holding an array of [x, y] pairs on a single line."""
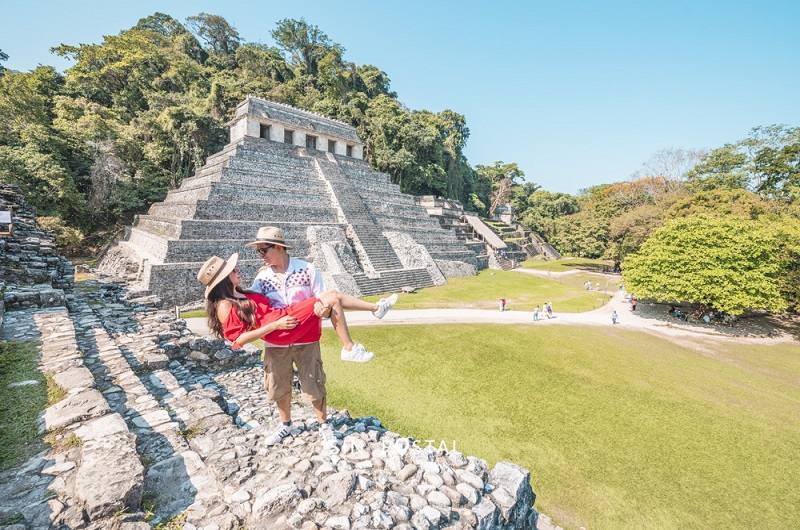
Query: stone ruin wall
{"points": [[31, 273]]}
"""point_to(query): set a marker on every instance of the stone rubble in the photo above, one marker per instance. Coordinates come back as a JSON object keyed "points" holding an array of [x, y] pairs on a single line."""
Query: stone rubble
{"points": [[31, 273], [161, 425]]}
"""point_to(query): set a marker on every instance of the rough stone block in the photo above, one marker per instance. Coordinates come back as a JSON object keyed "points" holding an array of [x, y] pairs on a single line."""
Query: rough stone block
{"points": [[110, 477], [77, 407]]}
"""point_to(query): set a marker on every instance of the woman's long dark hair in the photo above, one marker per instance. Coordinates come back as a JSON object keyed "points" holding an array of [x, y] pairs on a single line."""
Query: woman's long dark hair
{"points": [[245, 308]]}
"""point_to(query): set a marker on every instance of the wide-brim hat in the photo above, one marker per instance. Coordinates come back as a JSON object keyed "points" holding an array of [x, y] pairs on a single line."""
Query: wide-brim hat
{"points": [[216, 269], [269, 235]]}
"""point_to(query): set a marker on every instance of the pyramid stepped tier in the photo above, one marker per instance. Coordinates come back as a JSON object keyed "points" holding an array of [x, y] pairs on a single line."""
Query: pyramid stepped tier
{"points": [[230, 191], [244, 231], [222, 208], [364, 235], [200, 239]]}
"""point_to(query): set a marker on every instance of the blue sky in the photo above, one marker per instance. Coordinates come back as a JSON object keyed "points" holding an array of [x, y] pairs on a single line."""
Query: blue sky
{"points": [[577, 93]]}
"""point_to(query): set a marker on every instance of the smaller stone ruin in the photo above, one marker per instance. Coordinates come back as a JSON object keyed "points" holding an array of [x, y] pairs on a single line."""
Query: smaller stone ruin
{"points": [[31, 273]]}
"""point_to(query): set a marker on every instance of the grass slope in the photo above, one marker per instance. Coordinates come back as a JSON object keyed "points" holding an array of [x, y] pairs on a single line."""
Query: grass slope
{"points": [[567, 264], [619, 429], [19, 405]]}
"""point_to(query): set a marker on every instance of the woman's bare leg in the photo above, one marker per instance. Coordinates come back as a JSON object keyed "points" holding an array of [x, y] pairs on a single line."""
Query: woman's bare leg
{"points": [[357, 304], [333, 300]]}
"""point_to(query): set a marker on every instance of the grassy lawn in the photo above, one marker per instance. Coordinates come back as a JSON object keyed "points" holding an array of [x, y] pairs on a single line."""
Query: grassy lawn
{"points": [[20, 405], [522, 292], [567, 264], [620, 429]]}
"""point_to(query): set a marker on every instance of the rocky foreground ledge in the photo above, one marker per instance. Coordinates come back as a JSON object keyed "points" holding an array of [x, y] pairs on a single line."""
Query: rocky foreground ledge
{"points": [[162, 428]]}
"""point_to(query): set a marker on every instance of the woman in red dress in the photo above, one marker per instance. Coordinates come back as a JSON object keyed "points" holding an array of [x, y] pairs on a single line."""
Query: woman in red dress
{"points": [[242, 316]]}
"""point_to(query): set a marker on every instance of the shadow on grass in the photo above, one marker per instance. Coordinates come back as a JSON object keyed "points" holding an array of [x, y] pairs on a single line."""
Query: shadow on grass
{"points": [[756, 324]]}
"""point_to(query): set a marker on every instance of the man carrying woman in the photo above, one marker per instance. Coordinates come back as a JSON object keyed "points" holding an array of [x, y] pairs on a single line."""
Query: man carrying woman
{"points": [[291, 332]]}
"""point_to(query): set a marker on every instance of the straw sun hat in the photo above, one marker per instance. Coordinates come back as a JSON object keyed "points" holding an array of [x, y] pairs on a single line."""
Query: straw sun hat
{"points": [[216, 269], [270, 235]]}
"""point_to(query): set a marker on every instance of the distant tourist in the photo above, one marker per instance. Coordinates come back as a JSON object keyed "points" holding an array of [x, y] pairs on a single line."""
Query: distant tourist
{"points": [[634, 303], [536, 314], [548, 308], [502, 304], [614, 317]]}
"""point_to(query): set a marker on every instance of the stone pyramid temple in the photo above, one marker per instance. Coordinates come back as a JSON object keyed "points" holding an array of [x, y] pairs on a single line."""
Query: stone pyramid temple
{"points": [[302, 172]]}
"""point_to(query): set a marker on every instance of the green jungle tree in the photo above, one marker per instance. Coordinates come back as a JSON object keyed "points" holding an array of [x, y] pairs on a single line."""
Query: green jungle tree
{"points": [[730, 264]]}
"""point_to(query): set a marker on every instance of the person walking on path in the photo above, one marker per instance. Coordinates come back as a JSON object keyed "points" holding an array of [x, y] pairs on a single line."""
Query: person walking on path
{"points": [[633, 304], [502, 304], [614, 317], [536, 314], [548, 309]]}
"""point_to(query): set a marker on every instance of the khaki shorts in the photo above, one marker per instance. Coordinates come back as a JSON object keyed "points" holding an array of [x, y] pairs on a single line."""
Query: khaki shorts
{"points": [[278, 374]]}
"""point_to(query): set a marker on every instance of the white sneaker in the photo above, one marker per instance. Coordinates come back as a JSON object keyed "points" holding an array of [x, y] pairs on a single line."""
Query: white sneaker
{"points": [[358, 354], [328, 438], [384, 305], [277, 436]]}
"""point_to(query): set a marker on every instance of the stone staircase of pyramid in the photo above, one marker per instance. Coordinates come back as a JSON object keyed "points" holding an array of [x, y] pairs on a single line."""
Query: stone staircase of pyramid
{"points": [[383, 270], [394, 210]]}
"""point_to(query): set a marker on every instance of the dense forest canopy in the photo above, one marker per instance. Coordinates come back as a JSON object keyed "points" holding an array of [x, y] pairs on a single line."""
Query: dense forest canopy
{"points": [[142, 110], [139, 112]]}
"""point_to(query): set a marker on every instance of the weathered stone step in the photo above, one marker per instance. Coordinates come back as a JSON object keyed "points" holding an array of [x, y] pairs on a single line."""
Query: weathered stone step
{"points": [[96, 472], [245, 212], [397, 210], [244, 231], [260, 158], [378, 195], [227, 194], [417, 223], [234, 210], [158, 408]]}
